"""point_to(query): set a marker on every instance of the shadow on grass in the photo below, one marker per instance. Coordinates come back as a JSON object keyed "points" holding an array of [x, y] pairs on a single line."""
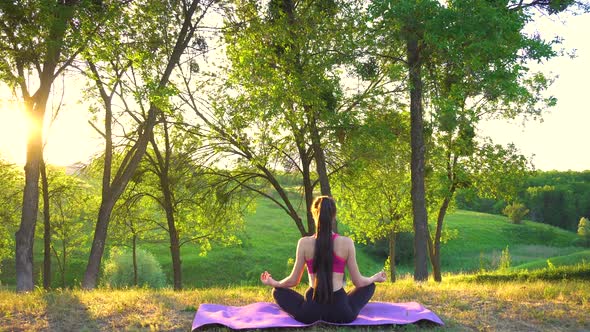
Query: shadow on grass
{"points": [[65, 312], [179, 316], [420, 326]]}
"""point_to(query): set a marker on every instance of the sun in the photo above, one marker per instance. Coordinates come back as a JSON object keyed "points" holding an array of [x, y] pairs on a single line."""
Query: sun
{"points": [[68, 140], [14, 127]]}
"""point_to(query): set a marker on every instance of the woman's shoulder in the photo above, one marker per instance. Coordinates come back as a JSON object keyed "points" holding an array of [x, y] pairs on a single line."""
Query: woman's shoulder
{"points": [[307, 239], [344, 239]]}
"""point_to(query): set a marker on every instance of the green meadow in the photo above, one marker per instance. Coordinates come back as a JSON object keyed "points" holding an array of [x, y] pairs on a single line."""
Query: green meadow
{"points": [[553, 295], [268, 241]]}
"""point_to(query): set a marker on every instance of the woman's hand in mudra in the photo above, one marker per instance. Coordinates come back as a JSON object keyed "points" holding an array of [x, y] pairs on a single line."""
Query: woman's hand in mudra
{"points": [[379, 276], [267, 279]]}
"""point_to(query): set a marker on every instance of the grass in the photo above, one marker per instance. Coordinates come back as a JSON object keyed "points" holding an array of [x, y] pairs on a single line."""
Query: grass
{"points": [[268, 241], [462, 305], [557, 261], [270, 236], [482, 237], [531, 296]]}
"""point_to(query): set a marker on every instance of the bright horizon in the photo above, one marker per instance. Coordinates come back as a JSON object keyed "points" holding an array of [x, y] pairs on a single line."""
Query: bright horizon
{"points": [[555, 142]]}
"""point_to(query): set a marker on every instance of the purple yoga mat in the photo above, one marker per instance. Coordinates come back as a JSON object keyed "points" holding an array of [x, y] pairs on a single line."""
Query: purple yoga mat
{"points": [[264, 315]]}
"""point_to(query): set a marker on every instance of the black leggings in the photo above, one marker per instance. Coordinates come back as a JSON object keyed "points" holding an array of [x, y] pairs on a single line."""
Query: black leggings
{"points": [[345, 308]]}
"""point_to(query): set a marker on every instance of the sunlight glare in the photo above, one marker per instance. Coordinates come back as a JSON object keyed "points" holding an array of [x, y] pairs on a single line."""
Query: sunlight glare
{"points": [[13, 133]]}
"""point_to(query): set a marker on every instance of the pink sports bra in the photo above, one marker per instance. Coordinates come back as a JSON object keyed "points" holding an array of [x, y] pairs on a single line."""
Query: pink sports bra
{"points": [[338, 263]]}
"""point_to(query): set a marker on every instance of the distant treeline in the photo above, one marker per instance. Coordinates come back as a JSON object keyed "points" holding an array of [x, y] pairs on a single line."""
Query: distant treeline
{"points": [[556, 198]]}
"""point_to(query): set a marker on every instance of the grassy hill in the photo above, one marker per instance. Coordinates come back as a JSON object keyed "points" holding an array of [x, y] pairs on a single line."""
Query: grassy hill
{"points": [[268, 242], [481, 237], [270, 236], [465, 302]]}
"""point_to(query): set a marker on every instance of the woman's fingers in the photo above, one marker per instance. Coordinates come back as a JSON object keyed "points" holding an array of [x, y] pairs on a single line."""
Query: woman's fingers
{"points": [[264, 277], [380, 276]]}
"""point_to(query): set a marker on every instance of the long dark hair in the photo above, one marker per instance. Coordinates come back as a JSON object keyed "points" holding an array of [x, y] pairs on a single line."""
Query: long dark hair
{"points": [[324, 210]]}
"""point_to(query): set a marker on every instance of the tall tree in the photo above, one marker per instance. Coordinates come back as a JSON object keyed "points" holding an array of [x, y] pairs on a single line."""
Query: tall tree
{"points": [[466, 67], [199, 206], [144, 46], [373, 190], [482, 81], [407, 22], [38, 40], [284, 99]]}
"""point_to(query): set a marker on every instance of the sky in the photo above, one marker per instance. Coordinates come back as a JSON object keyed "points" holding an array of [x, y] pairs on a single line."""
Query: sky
{"points": [[556, 143], [560, 141]]}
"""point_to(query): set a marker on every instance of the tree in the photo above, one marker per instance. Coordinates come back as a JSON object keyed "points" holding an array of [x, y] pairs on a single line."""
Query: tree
{"points": [[462, 162], [584, 230], [406, 23], [39, 40], [142, 47], [454, 62], [373, 188], [284, 100], [198, 205], [133, 219], [10, 205], [70, 206], [515, 212]]}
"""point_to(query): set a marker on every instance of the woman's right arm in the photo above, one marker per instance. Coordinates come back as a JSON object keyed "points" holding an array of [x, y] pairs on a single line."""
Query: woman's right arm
{"points": [[357, 278]]}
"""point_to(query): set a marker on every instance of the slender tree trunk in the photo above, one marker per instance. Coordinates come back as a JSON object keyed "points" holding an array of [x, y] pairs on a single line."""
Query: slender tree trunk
{"points": [[26, 233], [320, 162], [308, 193], [57, 259], [46, 228], [320, 159], [392, 267], [417, 163], [98, 243], [64, 256], [173, 232], [435, 245], [163, 165], [134, 258]]}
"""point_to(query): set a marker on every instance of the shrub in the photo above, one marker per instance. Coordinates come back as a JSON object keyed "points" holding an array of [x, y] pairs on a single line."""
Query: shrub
{"points": [[584, 231], [118, 270], [515, 212], [505, 259]]}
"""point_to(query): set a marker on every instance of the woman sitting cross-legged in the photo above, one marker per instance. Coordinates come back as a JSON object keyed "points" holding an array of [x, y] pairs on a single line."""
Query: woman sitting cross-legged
{"points": [[326, 255]]}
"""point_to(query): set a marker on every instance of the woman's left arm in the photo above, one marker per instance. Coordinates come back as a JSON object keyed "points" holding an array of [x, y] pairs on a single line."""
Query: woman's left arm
{"points": [[295, 277]]}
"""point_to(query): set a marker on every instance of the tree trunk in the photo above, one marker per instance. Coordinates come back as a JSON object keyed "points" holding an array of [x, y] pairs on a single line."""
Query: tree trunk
{"points": [[64, 256], [392, 238], [163, 164], [46, 229], [173, 232], [320, 159], [174, 251], [98, 243], [435, 247], [320, 162], [26, 233], [308, 194], [35, 108], [417, 163], [134, 258]]}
